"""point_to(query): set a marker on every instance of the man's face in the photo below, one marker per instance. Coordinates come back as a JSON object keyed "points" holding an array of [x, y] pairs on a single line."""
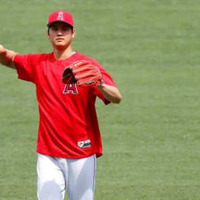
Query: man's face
{"points": [[60, 34]]}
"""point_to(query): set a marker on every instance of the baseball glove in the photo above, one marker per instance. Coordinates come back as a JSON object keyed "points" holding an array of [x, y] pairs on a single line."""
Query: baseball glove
{"points": [[83, 73]]}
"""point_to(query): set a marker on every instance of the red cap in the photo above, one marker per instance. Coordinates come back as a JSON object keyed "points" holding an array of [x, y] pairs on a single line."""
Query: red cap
{"points": [[61, 16]]}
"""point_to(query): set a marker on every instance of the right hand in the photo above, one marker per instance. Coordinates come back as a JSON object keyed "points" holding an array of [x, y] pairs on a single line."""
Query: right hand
{"points": [[2, 49], [6, 56]]}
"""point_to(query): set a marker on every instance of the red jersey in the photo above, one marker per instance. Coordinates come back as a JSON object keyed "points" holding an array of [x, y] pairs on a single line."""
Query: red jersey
{"points": [[68, 125]]}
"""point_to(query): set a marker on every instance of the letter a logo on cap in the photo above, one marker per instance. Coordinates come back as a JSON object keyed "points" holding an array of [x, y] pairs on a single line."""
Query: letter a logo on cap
{"points": [[60, 16]]}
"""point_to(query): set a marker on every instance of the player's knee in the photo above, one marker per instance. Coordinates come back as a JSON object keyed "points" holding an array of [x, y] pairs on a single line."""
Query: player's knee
{"points": [[50, 190]]}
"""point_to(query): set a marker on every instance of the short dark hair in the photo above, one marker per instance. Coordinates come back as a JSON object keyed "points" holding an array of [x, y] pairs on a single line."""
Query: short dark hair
{"points": [[49, 26]]}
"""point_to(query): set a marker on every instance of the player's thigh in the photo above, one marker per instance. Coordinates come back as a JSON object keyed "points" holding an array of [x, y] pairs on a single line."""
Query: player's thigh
{"points": [[82, 174], [51, 183]]}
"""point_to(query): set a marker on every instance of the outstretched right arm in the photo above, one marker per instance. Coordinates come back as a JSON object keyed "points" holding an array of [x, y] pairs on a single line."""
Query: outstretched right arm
{"points": [[6, 57]]}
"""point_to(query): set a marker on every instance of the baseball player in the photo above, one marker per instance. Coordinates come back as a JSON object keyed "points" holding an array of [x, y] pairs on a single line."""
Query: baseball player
{"points": [[67, 84]]}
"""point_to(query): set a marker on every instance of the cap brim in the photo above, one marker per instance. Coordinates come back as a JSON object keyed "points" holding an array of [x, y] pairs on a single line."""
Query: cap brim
{"points": [[51, 23]]}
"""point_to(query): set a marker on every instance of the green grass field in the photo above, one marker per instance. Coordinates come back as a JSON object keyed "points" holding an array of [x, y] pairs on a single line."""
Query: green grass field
{"points": [[152, 139]]}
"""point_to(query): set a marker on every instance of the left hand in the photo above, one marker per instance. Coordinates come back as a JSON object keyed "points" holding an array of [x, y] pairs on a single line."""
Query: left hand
{"points": [[82, 72]]}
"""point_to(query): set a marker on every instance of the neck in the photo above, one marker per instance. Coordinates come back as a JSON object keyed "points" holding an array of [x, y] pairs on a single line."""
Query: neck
{"points": [[62, 54]]}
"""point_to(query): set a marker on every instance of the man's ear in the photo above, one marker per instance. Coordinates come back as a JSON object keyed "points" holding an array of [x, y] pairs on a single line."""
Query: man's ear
{"points": [[73, 33], [48, 33]]}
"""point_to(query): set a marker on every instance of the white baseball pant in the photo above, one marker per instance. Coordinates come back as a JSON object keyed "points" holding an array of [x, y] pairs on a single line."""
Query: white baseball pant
{"points": [[56, 175]]}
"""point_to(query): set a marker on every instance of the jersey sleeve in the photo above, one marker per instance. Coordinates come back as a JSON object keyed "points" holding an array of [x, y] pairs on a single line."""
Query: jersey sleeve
{"points": [[25, 67]]}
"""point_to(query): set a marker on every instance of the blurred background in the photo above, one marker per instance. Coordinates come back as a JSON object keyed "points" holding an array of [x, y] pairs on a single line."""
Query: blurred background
{"points": [[151, 140]]}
